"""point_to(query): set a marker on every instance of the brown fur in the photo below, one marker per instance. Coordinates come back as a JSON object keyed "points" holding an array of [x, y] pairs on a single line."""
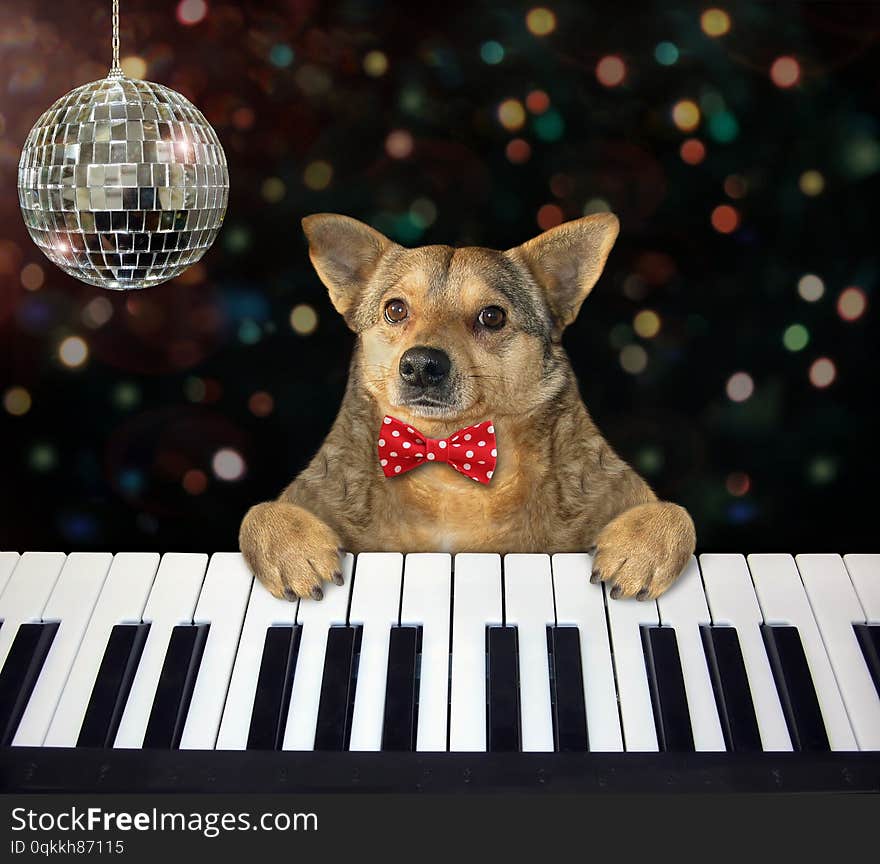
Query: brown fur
{"points": [[558, 485]]}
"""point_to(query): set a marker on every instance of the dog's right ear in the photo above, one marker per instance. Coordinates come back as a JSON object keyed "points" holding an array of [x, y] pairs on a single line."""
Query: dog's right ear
{"points": [[345, 253]]}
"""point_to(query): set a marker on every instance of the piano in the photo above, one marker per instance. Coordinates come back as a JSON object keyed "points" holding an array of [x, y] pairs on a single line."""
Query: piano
{"points": [[482, 672]]}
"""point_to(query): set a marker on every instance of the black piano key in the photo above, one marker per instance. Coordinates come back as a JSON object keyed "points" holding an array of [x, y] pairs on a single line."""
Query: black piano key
{"points": [[400, 720], [869, 641], [176, 683], [567, 690], [733, 696], [20, 672], [502, 690], [795, 687], [668, 696], [274, 685], [112, 685], [336, 705]]}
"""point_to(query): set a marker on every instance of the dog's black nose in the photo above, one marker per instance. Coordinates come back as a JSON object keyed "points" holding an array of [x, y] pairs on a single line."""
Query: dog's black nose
{"points": [[424, 367]]}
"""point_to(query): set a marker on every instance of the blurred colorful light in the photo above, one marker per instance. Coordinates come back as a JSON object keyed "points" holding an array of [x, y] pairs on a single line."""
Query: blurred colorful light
{"points": [[852, 303], [715, 22], [17, 401], [511, 114], [375, 64], [735, 186], [537, 101], [611, 70], [666, 53], [492, 52], [261, 404], [228, 464], [686, 115], [73, 352], [195, 482], [647, 324], [796, 337], [32, 277], [549, 216], [518, 151], [811, 287], [303, 319], [725, 219], [399, 144], [134, 66], [811, 183], [738, 483], [634, 359], [318, 175], [740, 387], [823, 372], [785, 72], [692, 151], [540, 21], [191, 12]]}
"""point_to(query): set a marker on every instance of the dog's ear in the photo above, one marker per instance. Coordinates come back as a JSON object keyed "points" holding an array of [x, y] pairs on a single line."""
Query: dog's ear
{"points": [[345, 254], [567, 261]]}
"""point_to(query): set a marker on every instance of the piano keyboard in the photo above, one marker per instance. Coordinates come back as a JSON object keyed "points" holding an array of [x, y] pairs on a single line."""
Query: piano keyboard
{"points": [[430, 653]]}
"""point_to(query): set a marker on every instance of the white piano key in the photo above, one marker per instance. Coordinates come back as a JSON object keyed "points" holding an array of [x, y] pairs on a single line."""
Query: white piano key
{"points": [[732, 602], [865, 573], [427, 587], [222, 604], [263, 611], [626, 617], [375, 606], [121, 601], [316, 619], [836, 608], [582, 605], [8, 560], [784, 601], [528, 606], [26, 593], [683, 607], [172, 601], [71, 603], [476, 604]]}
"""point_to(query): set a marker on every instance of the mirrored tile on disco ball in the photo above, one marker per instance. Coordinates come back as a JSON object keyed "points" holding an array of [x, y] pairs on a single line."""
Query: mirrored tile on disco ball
{"points": [[123, 183]]}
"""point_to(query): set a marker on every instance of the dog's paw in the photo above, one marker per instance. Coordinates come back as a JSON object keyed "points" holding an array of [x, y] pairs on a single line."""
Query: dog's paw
{"points": [[290, 551], [642, 552]]}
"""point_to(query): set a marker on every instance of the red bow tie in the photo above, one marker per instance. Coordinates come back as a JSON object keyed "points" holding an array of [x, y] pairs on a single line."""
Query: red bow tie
{"points": [[471, 451]]}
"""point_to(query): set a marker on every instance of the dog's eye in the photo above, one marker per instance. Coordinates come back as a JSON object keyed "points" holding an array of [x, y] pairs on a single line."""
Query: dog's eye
{"points": [[492, 317], [395, 311]]}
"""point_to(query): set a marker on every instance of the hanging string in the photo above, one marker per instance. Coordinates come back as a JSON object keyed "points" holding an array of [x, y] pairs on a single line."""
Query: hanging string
{"points": [[115, 69]]}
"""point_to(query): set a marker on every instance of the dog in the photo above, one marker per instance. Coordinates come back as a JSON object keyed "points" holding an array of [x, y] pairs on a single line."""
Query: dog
{"points": [[447, 338]]}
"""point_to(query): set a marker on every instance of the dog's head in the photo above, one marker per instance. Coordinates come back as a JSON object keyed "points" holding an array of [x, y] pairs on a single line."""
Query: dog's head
{"points": [[453, 334]]}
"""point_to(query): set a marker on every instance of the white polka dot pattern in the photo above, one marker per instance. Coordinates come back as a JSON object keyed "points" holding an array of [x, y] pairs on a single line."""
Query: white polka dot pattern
{"points": [[477, 462]]}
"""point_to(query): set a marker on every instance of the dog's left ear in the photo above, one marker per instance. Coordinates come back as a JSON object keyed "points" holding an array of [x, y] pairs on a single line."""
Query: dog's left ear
{"points": [[567, 261], [345, 253]]}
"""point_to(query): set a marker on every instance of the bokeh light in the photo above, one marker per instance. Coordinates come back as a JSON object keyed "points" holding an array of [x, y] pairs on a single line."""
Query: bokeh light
{"points": [[195, 482], [823, 372], [511, 114], [492, 52], [611, 71], [735, 186], [303, 319], [785, 72], [647, 324], [43, 458], [740, 387], [399, 144], [692, 151], [540, 21], [518, 151], [811, 183], [738, 483], [634, 359], [811, 287], [273, 190], [796, 337], [134, 66], [17, 401], [715, 22], [191, 12], [318, 175], [261, 404], [281, 55], [73, 352], [549, 216], [375, 64], [537, 101], [725, 219], [228, 464], [97, 312], [32, 277], [852, 303], [666, 53], [686, 115]]}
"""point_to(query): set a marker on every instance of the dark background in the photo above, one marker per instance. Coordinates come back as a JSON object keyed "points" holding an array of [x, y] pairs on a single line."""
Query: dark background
{"points": [[118, 453]]}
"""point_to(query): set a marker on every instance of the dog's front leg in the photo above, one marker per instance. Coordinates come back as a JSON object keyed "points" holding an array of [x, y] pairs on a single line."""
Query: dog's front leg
{"points": [[641, 552], [290, 550]]}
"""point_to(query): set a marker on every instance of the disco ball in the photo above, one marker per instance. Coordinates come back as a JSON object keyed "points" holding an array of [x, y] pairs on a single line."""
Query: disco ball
{"points": [[123, 183]]}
